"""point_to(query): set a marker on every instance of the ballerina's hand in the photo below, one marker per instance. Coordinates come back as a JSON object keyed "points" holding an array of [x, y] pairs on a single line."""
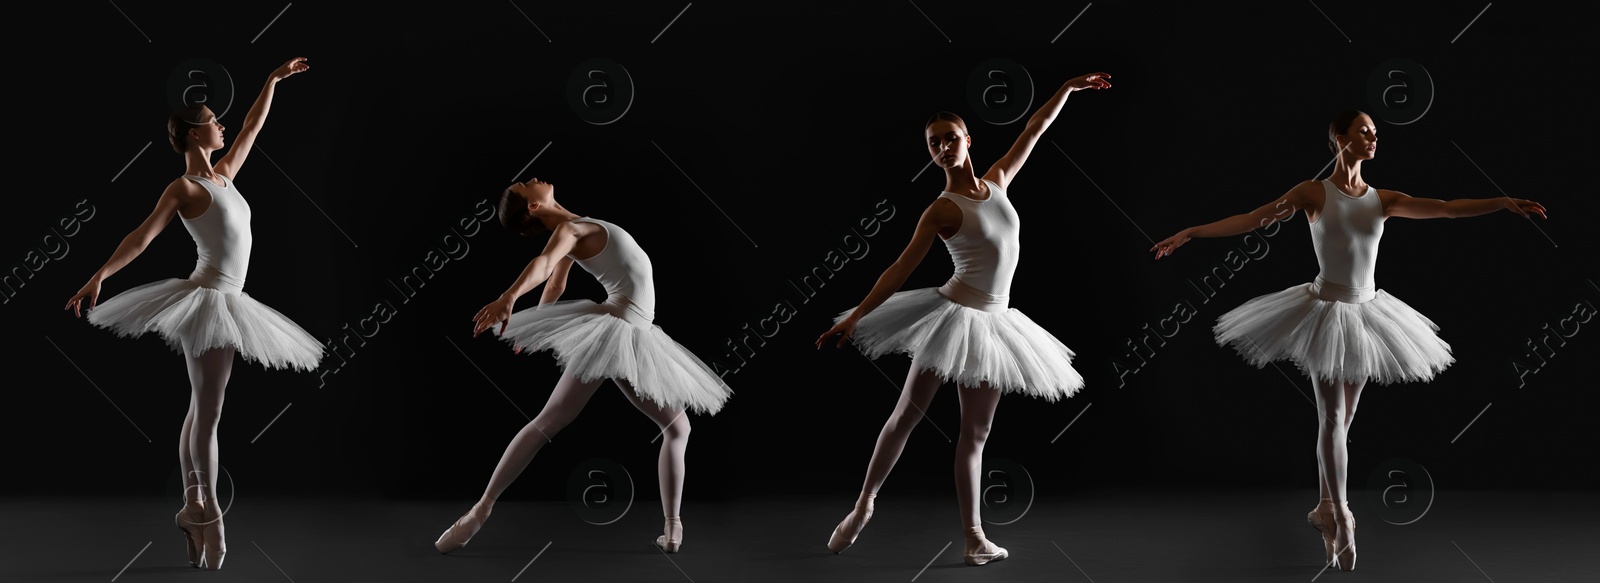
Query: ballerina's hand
{"points": [[1090, 81], [497, 312], [91, 291], [1171, 244], [295, 65], [1523, 207], [844, 328]]}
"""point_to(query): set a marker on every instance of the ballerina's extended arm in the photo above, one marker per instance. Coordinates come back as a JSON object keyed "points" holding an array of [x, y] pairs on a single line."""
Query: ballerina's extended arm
{"points": [[1006, 168], [940, 214], [230, 163], [1398, 204], [135, 243], [1305, 195], [543, 268]]}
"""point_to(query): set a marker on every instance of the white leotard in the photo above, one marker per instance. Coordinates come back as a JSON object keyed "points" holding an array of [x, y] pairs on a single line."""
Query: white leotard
{"points": [[985, 250], [624, 269], [221, 236], [1345, 238]]}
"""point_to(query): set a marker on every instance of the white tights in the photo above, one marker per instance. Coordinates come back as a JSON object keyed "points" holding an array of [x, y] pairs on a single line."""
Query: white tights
{"points": [[1336, 408], [208, 378]]}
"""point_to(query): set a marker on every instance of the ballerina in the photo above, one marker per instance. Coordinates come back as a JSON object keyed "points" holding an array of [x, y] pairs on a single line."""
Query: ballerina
{"points": [[1340, 330], [614, 339], [964, 331], [207, 316]]}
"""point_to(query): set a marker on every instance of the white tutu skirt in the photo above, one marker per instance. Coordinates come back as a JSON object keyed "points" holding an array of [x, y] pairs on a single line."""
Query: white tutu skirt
{"points": [[193, 318], [967, 345], [1381, 339], [592, 340]]}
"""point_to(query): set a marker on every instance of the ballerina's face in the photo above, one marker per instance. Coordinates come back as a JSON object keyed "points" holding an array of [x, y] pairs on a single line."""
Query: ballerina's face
{"points": [[209, 133], [1362, 138], [535, 191], [947, 143]]}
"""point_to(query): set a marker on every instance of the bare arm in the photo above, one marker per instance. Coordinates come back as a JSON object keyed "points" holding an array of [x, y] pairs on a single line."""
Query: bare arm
{"points": [[557, 282], [231, 163], [537, 272], [1299, 197], [939, 215], [134, 243], [1007, 166], [1398, 204]]}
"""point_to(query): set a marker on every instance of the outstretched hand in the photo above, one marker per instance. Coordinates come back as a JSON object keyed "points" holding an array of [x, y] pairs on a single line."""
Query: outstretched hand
{"points": [[844, 328], [1166, 247], [497, 312], [1523, 207], [1090, 81], [91, 291], [295, 65]]}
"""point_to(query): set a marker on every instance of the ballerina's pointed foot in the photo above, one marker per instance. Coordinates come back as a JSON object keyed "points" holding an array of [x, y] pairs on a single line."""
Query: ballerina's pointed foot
{"points": [[463, 530], [188, 521], [1345, 537], [672, 536], [1321, 518], [980, 551], [845, 534], [214, 546]]}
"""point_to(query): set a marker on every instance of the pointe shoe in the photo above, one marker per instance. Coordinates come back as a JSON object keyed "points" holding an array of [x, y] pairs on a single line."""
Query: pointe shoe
{"points": [[188, 521], [845, 534], [1345, 537], [1321, 518], [214, 546], [673, 538], [462, 531], [984, 552]]}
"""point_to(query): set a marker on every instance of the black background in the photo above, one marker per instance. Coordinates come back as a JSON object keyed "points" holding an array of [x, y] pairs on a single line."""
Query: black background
{"points": [[796, 120]]}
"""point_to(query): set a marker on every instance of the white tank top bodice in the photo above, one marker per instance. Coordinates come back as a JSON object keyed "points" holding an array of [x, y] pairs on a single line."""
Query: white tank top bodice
{"points": [[624, 269], [221, 236], [1345, 238], [985, 250]]}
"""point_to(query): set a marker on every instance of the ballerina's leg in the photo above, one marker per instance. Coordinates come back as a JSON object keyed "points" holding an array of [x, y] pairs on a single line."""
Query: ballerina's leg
{"points": [[208, 380], [566, 400], [921, 385], [674, 425]]}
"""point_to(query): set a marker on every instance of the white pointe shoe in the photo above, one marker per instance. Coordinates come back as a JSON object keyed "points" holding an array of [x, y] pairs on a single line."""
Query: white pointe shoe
{"points": [[462, 531], [984, 552], [845, 534], [1321, 518], [1345, 537], [673, 537]]}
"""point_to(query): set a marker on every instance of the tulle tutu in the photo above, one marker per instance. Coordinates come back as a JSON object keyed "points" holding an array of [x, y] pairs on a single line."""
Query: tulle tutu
{"points": [[193, 318], [1381, 339], [593, 340], [969, 346]]}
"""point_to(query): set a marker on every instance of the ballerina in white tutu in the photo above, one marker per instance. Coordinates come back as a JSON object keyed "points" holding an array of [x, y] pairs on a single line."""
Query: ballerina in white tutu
{"points": [[965, 331], [615, 339], [207, 316], [1340, 330]]}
